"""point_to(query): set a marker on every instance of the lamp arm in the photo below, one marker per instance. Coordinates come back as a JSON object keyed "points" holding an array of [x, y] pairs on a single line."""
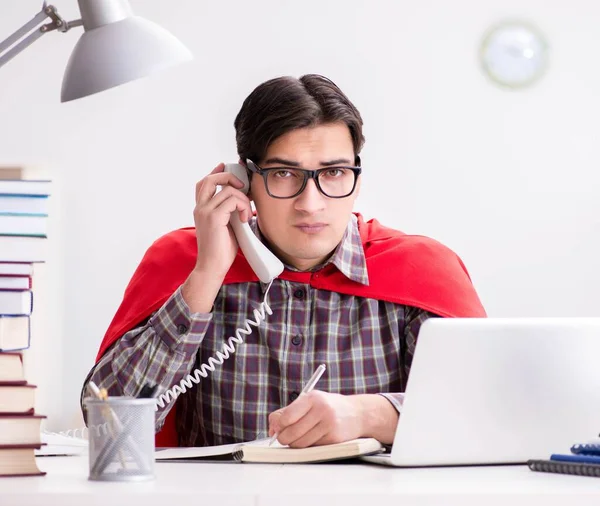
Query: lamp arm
{"points": [[57, 23]]}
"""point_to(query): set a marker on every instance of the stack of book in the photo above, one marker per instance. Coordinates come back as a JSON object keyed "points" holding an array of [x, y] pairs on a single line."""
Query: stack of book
{"points": [[584, 460], [20, 426], [23, 220]]}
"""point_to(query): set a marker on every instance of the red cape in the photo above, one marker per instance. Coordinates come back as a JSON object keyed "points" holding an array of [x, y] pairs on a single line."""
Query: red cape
{"points": [[405, 269]]}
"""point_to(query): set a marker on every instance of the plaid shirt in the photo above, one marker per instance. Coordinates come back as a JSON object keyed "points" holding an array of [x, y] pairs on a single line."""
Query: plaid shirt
{"points": [[366, 344]]}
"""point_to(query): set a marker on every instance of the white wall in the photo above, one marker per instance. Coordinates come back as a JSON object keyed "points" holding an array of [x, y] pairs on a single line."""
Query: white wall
{"points": [[509, 180]]}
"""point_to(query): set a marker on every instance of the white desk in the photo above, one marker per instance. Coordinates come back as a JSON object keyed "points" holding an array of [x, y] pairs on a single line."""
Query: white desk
{"points": [[224, 484]]}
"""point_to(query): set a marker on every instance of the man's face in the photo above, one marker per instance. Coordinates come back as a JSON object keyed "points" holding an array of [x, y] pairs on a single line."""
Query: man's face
{"points": [[304, 230]]}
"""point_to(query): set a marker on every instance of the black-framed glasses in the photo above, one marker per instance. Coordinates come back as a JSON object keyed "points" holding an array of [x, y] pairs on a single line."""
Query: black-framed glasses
{"points": [[335, 182]]}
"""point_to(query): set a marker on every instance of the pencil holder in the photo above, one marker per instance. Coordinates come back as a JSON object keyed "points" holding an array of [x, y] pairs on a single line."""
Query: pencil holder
{"points": [[121, 438]]}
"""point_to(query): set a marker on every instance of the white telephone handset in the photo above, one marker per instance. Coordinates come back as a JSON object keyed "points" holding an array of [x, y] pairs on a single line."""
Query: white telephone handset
{"points": [[263, 262]]}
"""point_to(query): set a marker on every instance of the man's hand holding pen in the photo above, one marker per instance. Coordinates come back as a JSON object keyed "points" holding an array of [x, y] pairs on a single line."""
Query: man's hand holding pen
{"points": [[317, 418]]}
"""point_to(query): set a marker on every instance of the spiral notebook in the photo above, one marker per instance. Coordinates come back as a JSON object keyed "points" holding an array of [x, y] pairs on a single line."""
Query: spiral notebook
{"points": [[584, 460], [556, 466]]}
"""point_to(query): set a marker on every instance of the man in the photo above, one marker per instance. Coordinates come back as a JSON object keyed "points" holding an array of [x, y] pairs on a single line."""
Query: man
{"points": [[353, 294]]}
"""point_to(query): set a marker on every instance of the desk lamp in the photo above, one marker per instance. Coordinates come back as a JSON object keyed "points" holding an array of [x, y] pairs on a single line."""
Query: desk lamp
{"points": [[116, 46]]}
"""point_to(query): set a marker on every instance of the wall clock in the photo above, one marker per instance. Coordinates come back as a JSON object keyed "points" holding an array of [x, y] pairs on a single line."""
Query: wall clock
{"points": [[514, 54]]}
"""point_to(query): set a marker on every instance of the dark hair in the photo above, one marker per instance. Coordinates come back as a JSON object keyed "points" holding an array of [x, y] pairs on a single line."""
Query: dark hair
{"points": [[286, 103]]}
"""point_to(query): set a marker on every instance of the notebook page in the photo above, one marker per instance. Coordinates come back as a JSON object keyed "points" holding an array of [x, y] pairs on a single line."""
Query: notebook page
{"points": [[204, 451]]}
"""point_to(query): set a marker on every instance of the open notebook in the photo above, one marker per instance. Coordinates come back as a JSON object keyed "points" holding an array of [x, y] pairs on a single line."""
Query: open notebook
{"points": [[259, 451]]}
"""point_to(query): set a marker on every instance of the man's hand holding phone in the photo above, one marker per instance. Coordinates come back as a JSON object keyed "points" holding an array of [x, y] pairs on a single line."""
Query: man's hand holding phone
{"points": [[217, 246]]}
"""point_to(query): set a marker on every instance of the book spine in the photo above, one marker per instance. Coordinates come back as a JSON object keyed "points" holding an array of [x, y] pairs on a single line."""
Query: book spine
{"points": [[14, 350], [39, 473], [5, 283], [29, 412], [548, 466], [18, 312]]}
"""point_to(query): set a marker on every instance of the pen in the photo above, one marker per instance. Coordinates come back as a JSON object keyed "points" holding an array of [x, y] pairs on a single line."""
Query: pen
{"points": [[307, 388]]}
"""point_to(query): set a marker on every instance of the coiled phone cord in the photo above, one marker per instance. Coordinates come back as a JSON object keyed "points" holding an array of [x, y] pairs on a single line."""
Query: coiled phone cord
{"points": [[228, 349]]}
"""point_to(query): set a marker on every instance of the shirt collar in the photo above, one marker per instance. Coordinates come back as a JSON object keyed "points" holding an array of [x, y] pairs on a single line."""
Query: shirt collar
{"points": [[348, 257]]}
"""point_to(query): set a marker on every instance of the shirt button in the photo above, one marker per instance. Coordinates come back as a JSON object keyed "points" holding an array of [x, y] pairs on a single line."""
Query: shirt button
{"points": [[299, 293], [297, 340], [181, 329], [294, 396]]}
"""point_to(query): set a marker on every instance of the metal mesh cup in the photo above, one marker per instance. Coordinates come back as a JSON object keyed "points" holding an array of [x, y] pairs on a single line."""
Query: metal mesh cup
{"points": [[121, 438]]}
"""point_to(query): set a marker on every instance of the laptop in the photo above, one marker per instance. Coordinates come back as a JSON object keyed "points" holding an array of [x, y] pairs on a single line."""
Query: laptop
{"points": [[498, 391]]}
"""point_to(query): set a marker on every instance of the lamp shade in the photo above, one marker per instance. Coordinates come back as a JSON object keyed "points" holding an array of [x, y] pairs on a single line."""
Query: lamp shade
{"points": [[117, 52]]}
